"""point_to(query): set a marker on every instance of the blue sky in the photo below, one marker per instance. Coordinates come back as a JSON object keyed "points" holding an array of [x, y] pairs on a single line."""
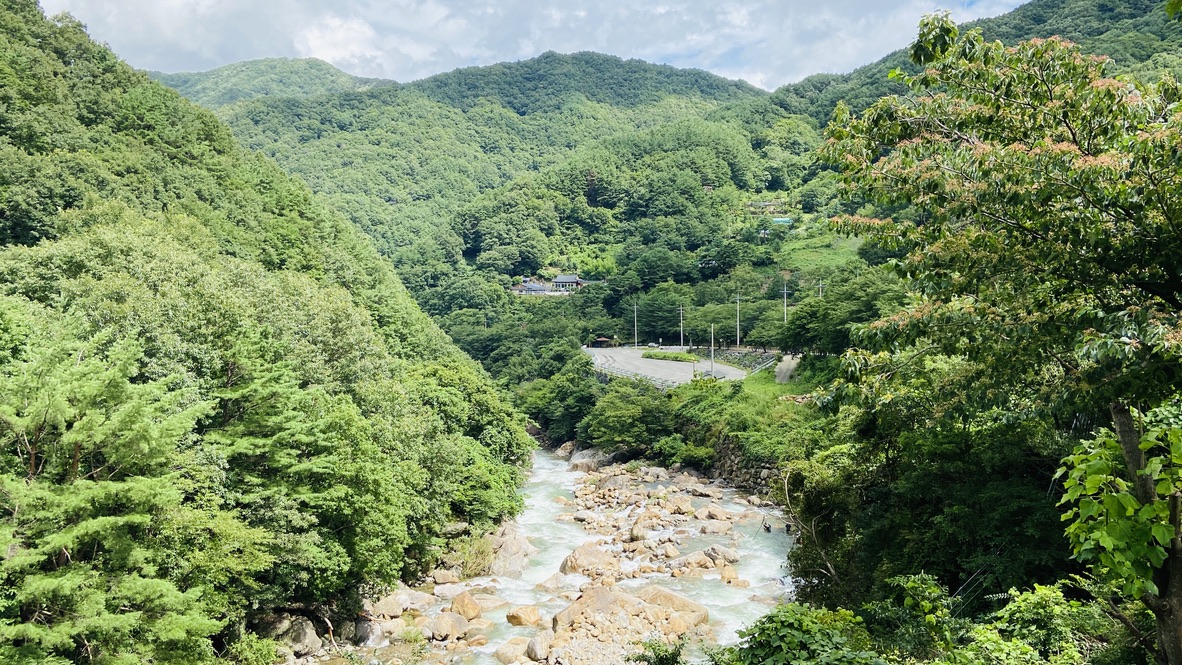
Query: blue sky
{"points": [[765, 42]]}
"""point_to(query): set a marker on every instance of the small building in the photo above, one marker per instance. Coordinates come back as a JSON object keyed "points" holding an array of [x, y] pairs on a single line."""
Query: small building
{"points": [[567, 283], [603, 342]]}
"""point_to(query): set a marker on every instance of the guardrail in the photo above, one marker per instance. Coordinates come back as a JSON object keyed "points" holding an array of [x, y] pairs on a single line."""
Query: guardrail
{"points": [[763, 366], [662, 384]]}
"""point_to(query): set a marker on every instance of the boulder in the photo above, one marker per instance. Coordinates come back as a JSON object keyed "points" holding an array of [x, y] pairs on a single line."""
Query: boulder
{"points": [[538, 648], [587, 460], [586, 516], [729, 574], [551, 584], [272, 626], [444, 576], [654, 474], [466, 606], [479, 626], [586, 558], [369, 633], [596, 601], [511, 651], [718, 554], [717, 512], [565, 450], [681, 505], [394, 604], [301, 637], [449, 590], [638, 533], [716, 527], [694, 613], [488, 602], [448, 626], [691, 561], [511, 552], [525, 615], [394, 627]]}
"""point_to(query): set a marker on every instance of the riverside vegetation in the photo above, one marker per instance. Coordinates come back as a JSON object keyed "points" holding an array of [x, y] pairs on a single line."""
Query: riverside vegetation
{"points": [[220, 402]]}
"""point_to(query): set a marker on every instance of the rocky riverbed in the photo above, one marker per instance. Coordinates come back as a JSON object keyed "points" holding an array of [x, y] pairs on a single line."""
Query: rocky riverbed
{"points": [[601, 559]]}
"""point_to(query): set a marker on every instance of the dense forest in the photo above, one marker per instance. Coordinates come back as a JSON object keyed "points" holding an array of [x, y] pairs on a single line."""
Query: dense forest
{"points": [[921, 476], [220, 398], [215, 397]]}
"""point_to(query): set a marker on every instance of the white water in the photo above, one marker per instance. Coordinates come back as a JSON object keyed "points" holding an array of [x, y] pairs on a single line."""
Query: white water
{"points": [[731, 608]]}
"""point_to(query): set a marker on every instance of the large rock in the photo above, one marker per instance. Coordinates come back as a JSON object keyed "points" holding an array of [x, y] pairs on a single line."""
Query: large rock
{"points": [[538, 648], [448, 626], [488, 602], [720, 554], [565, 450], [466, 606], [597, 601], [681, 505], [369, 633], [695, 613], [716, 527], [587, 460], [691, 561], [301, 637], [717, 512], [587, 558], [401, 600], [551, 584], [511, 552], [444, 576], [511, 651], [526, 615], [449, 590]]}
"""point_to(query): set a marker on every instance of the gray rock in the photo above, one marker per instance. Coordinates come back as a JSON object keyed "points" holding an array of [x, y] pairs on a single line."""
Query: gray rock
{"points": [[301, 637], [587, 460], [511, 552], [369, 634], [538, 648], [718, 554]]}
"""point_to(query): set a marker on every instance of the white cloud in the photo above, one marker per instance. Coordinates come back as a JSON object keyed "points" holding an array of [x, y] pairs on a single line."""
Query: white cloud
{"points": [[766, 42]]}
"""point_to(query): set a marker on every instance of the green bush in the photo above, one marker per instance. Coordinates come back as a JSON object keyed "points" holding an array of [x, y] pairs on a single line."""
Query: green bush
{"points": [[675, 356]]}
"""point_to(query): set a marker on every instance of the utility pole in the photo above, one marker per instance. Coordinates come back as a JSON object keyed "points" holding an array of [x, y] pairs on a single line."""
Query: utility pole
{"points": [[635, 338], [737, 298], [820, 288], [681, 324], [712, 350], [785, 292]]}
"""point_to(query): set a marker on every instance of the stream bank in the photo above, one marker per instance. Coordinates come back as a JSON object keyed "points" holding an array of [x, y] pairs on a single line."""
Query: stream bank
{"points": [[599, 560]]}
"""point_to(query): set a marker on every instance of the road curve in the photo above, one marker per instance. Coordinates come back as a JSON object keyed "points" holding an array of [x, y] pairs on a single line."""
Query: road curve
{"points": [[627, 361]]}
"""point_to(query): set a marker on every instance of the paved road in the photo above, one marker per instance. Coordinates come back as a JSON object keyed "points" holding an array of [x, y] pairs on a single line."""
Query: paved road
{"points": [[628, 360]]}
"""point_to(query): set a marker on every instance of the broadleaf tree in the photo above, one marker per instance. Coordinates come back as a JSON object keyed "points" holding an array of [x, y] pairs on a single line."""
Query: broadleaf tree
{"points": [[1047, 249]]}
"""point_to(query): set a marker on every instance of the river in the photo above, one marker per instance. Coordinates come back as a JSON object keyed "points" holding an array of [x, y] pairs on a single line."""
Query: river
{"points": [[546, 522]]}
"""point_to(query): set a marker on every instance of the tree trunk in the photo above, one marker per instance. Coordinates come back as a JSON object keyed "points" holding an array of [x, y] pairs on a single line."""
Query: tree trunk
{"points": [[1166, 605]]}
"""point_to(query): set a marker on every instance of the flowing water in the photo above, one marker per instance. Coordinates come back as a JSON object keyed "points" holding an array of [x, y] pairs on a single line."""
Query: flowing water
{"points": [[731, 608], [762, 556]]}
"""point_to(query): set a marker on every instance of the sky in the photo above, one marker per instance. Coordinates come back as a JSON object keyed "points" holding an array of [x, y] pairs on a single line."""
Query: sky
{"points": [[764, 42]]}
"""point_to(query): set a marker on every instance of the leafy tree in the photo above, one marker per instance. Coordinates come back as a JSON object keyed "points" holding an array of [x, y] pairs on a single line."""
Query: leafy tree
{"points": [[1048, 194]]}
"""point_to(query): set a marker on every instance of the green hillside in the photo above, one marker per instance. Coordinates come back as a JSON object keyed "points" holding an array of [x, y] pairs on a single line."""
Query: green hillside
{"points": [[1137, 34], [216, 398], [268, 77], [544, 83]]}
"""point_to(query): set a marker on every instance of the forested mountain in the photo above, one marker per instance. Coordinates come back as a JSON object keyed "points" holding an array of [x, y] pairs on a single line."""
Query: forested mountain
{"points": [[216, 398], [1136, 34], [544, 83], [268, 77], [201, 355]]}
